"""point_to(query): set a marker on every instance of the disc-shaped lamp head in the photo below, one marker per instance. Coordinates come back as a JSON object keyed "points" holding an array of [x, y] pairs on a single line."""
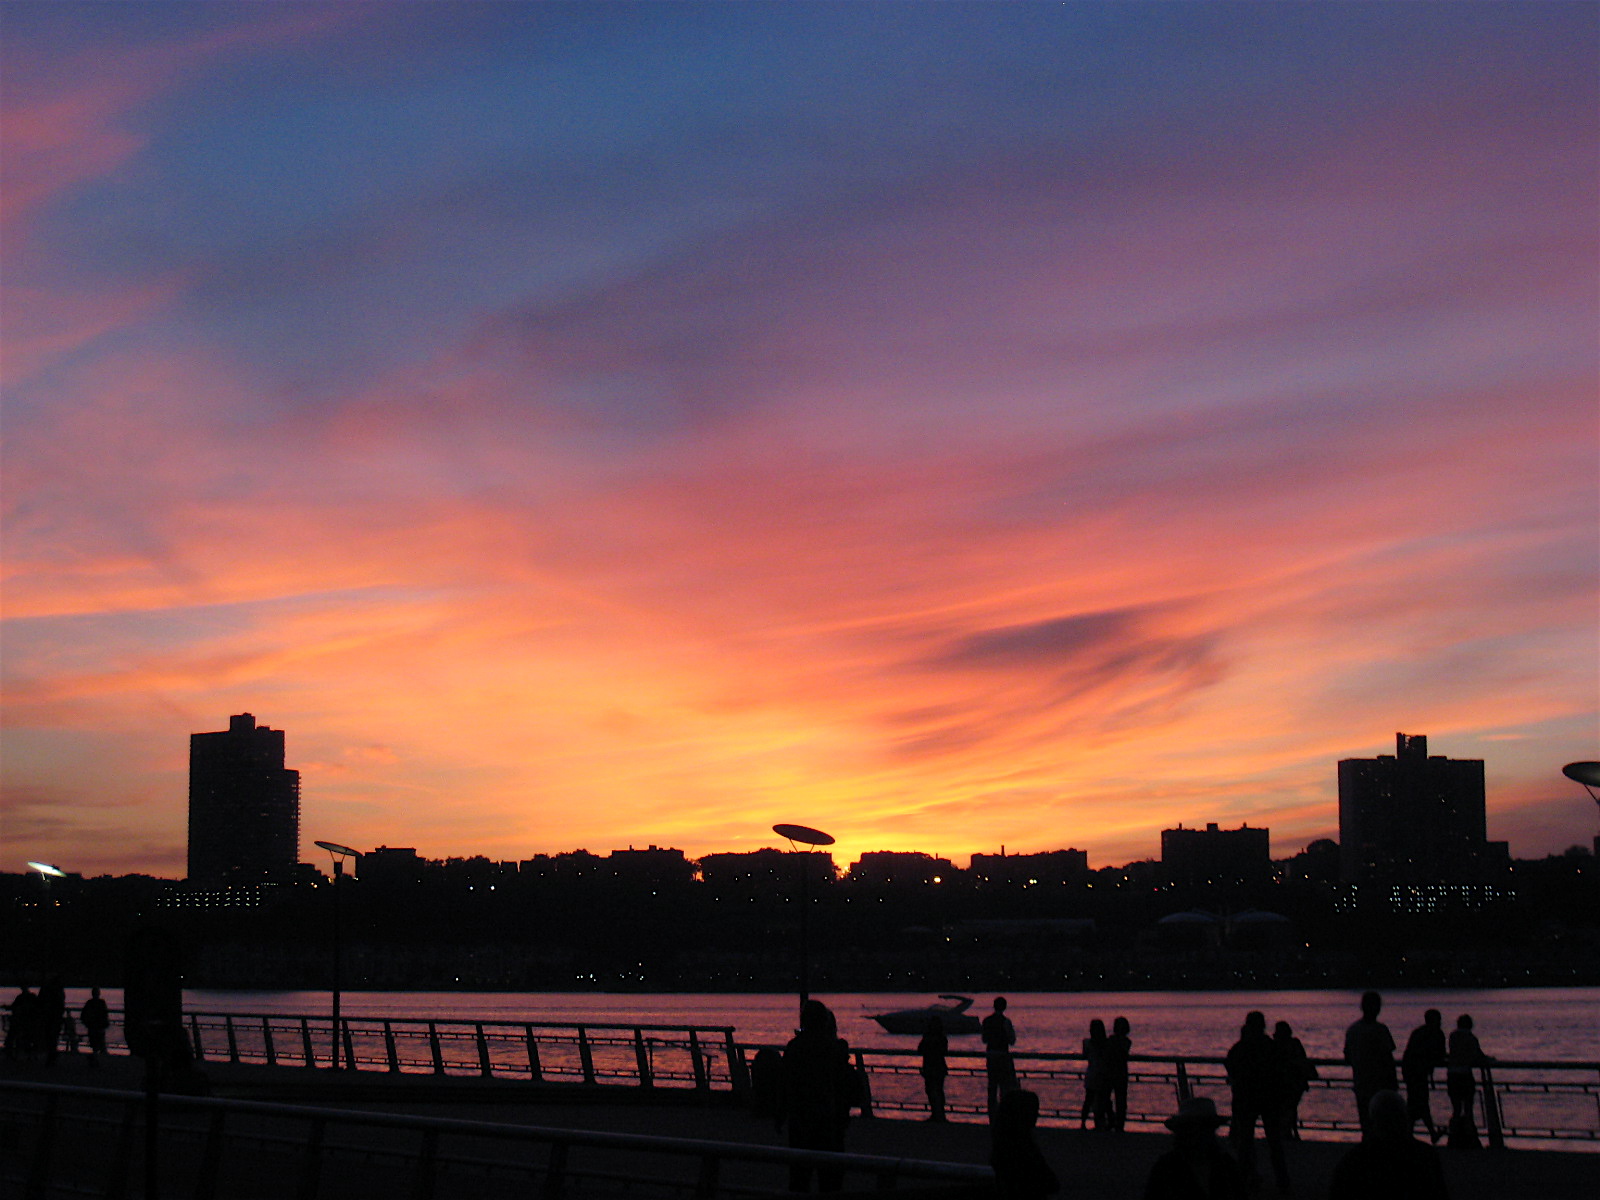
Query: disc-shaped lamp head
{"points": [[47, 869], [336, 848], [804, 834], [1586, 773]]}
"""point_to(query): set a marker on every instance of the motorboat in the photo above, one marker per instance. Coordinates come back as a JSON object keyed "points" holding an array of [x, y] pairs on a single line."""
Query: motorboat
{"points": [[953, 1016]]}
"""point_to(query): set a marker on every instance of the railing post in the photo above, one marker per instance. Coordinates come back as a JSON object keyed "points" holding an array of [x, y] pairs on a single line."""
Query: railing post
{"points": [[485, 1067], [122, 1158], [433, 1049], [205, 1184], [738, 1069], [699, 1061], [1183, 1083], [706, 1185], [535, 1072], [194, 1036], [266, 1041], [389, 1050], [311, 1164], [585, 1054], [427, 1160], [305, 1041], [39, 1169], [349, 1045], [555, 1172], [864, 1082], [1491, 1111], [641, 1055], [233, 1040]]}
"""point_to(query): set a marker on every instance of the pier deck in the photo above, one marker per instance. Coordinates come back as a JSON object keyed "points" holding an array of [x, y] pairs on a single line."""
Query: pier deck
{"points": [[1092, 1165]]}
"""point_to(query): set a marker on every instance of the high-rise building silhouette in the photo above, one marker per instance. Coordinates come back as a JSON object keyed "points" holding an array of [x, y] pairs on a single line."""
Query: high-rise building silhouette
{"points": [[1408, 818], [244, 806]]}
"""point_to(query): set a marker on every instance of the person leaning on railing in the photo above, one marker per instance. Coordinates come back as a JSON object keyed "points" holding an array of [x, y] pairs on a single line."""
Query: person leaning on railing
{"points": [[1465, 1057]]}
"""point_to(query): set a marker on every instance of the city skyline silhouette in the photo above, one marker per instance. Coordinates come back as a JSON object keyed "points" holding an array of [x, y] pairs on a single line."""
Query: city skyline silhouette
{"points": [[950, 426]]}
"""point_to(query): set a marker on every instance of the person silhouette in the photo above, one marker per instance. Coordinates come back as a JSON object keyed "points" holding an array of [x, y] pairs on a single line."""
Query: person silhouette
{"points": [[999, 1035], [52, 1008], [1096, 1077], [1257, 1077], [1462, 1060], [818, 1086], [1119, 1046], [1197, 1167], [933, 1047], [1369, 1049], [1425, 1050], [96, 1018], [20, 1038], [1389, 1162], [766, 1085], [1298, 1072], [1020, 1170]]}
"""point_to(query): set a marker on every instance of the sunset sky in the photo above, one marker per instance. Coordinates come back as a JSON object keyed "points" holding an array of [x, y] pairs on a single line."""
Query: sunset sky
{"points": [[950, 425]]}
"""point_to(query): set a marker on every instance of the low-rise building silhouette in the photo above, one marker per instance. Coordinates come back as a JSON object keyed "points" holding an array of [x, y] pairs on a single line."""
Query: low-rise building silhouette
{"points": [[1029, 870], [765, 870], [1190, 857], [898, 868]]}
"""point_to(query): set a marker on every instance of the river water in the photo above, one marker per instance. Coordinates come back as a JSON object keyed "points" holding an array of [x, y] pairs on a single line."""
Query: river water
{"points": [[1522, 1024]]}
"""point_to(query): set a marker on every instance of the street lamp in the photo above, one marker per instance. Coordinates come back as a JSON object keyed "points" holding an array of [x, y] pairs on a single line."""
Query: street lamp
{"points": [[805, 835], [1588, 774], [338, 853], [47, 872]]}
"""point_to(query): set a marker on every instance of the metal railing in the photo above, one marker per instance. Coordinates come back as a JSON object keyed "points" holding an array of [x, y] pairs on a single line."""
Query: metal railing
{"points": [[93, 1142], [704, 1057], [1518, 1102], [1521, 1102]]}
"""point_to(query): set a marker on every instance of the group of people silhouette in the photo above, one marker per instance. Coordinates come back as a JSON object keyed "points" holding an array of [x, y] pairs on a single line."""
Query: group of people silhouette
{"points": [[1105, 1075], [41, 1025], [1268, 1076], [1369, 1049]]}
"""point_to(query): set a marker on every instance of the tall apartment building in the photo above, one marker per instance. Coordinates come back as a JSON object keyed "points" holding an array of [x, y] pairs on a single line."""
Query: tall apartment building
{"points": [[244, 806], [1408, 818]]}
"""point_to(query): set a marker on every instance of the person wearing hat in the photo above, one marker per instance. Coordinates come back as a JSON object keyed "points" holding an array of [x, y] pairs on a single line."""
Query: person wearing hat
{"points": [[1197, 1167]]}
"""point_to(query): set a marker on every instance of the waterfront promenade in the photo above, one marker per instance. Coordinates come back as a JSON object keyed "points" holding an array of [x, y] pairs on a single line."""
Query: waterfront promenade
{"points": [[1092, 1166]]}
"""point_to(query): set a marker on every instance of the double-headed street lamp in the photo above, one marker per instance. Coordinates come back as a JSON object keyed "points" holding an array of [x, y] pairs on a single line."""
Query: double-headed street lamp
{"points": [[807, 836], [338, 853]]}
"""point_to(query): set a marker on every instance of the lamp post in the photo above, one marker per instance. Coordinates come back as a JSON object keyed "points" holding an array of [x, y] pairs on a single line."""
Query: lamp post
{"points": [[338, 853], [808, 837], [47, 872]]}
